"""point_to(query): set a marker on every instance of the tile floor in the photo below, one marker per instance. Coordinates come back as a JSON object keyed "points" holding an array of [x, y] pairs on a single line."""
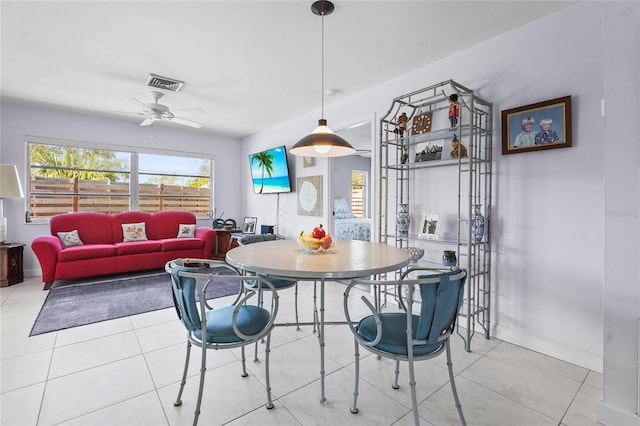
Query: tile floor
{"points": [[126, 372]]}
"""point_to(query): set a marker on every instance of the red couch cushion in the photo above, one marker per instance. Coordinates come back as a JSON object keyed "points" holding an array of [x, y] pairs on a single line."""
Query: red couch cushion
{"points": [[181, 244], [166, 223], [118, 219], [93, 228], [86, 252], [137, 247]]}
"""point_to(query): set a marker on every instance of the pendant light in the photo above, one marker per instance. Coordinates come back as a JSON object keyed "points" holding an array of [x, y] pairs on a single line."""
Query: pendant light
{"points": [[322, 142]]}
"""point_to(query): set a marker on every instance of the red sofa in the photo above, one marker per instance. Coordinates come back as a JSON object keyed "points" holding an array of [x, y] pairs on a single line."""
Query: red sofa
{"points": [[103, 250]]}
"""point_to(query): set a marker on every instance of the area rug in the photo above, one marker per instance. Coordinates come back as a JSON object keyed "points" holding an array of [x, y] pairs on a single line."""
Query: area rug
{"points": [[88, 303]]}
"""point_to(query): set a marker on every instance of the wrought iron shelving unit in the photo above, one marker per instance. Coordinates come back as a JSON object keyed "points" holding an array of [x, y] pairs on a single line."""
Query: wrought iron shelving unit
{"points": [[472, 176]]}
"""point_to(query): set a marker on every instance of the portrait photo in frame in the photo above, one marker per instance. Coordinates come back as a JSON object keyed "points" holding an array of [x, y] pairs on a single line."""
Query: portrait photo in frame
{"points": [[429, 226], [539, 126], [249, 225]]}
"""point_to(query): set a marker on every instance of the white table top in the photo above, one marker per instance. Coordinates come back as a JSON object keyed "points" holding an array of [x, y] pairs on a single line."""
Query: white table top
{"points": [[348, 259]]}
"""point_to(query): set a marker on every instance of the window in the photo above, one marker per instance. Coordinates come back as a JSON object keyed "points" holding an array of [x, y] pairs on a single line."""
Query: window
{"points": [[70, 178], [359, 202]]}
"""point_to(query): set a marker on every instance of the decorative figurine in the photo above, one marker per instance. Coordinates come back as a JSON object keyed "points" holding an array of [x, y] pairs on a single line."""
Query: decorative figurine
{"points": [[454, 111], [404, 156], [458, 148], [401, 124]]}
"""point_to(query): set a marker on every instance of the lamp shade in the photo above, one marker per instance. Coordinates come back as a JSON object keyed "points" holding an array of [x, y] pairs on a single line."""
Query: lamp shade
{"points": [[322, 142], [9, 182]]}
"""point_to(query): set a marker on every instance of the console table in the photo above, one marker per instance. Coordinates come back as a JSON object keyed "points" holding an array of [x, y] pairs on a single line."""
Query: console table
{"points": [[222, 242], [11, 269]]}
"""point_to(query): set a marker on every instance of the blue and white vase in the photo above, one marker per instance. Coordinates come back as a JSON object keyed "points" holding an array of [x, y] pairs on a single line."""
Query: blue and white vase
{"points": [[403, 220], [449, 258], [477, 224]]}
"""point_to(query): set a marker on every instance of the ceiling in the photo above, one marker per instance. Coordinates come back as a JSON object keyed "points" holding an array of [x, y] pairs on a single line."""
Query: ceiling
{"points": [[246, 64]]}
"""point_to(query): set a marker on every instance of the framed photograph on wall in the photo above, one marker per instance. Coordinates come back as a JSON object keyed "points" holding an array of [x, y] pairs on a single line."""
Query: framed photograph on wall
{"points": [[308, 161], [249, 225], [429, 226], [543, 125]]}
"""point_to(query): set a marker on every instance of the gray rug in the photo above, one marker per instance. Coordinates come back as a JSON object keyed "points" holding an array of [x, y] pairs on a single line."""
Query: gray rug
{"points": [[76, 305]]}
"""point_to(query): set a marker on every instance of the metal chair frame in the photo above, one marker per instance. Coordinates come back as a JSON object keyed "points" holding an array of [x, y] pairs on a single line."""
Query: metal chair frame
{"points": [[202, 281], [443, 339]]}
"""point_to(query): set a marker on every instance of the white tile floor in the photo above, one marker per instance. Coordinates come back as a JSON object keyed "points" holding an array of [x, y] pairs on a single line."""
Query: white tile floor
{"points": [[127, 371]]}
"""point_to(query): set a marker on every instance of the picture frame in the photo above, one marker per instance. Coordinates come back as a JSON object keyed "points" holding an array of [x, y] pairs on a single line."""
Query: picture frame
{"points": [[522, 126], [429, 226], [249, 225], [308, 161], [309, 190]]}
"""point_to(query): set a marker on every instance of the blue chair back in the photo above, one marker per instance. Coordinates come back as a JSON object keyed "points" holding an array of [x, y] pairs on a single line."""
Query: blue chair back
{"points": [[184, 295], [440, 304]]}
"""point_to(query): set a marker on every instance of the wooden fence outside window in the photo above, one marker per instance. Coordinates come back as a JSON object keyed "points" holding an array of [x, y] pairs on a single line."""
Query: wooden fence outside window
{"points": [[52, 196]]}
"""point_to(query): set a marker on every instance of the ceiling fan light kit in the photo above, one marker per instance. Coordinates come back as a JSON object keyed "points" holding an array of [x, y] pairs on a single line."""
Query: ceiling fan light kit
{"points": [[322, 142]]}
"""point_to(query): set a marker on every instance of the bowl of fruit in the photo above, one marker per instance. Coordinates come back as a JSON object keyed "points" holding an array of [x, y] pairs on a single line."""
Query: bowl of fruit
{"points": [[318, 241]]}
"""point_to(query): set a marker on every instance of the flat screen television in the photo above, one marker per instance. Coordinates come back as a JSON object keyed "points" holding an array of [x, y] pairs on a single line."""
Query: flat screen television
{"points": [[270, 171]]}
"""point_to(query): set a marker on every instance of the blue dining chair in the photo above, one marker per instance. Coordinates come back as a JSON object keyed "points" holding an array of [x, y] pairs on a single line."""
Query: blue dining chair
{"points": [[279, 283], [238, 324], [415, 333]]}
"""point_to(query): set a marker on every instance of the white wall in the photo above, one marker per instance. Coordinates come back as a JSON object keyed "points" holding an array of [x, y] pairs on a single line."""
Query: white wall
{"points": [[18, 120], [622, 214], [548, 205]]}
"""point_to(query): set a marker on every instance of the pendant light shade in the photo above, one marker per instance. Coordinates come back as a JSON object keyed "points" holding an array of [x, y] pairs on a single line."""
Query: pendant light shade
{"points": [[322, 142]]}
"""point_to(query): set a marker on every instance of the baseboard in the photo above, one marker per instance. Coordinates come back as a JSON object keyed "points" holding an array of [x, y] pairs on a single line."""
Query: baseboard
{"points": [[554, 349], [36, 272], [609, 415]]}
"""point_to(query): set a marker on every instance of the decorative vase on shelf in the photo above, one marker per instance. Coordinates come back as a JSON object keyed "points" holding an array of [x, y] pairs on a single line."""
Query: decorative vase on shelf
{"points": [[477, 223], [403, 220], [449, 258]]}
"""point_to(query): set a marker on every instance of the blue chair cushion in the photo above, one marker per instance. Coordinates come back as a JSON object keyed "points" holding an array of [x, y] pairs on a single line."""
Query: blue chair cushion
{"points": [[394, 334], [250, 320]]}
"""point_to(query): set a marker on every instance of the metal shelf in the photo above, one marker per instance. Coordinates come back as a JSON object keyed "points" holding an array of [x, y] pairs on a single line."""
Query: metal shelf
{"points": [[472, 176]]}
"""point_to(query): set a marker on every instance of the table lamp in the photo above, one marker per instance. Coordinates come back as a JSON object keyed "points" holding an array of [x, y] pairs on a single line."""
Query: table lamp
{"points": [[9, 188]]}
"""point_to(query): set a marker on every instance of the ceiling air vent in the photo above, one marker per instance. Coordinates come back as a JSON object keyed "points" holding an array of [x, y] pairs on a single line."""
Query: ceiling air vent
{"points": [[165, 83]]}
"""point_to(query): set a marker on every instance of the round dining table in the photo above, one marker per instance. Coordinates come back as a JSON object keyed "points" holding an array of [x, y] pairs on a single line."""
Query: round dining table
{"points": [[346, 260]]}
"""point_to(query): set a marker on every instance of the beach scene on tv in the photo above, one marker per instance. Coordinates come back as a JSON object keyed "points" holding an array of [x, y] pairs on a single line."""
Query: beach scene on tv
{"points": [[269, 171]]}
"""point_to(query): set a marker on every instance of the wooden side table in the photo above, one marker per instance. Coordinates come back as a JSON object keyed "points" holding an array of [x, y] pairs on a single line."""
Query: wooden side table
{"points": [[11, 266], [222, 244]]}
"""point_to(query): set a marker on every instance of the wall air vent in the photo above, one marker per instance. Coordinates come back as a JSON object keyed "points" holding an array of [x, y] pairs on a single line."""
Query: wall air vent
{"points": [[165, 83]]}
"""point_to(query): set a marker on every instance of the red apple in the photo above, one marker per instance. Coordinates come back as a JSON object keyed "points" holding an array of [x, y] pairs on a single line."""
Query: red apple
{"points": [[325, 242], [318, 232]]}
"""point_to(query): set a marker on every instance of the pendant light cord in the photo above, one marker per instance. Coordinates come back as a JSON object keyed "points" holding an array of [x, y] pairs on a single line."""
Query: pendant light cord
{"points": [[322, 70]]}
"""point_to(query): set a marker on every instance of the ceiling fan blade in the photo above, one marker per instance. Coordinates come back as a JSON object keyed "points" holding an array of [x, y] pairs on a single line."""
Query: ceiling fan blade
{"points": [[148, 121], [139, 101], [190, 123], [189, 111]]}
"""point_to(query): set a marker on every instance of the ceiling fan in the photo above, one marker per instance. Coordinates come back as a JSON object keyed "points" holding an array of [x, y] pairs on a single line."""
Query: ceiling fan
{"points": [[154, 111]]}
